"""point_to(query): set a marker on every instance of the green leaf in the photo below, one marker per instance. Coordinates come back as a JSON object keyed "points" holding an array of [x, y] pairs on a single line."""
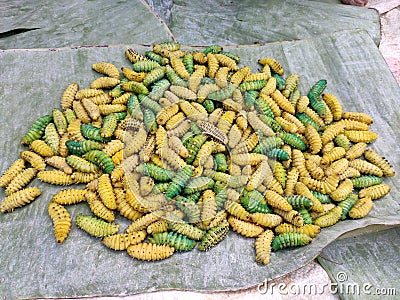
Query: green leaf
{"points": [[365, 262], [50, 24], [260, 21]]}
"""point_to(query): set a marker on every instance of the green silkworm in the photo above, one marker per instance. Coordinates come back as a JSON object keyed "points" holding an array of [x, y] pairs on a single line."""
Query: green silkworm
{"points": [[149, 119], [176, 240], [37, 129], [293, 140], [157, 58], [96, 227], [307, 219], [136, 87], [221, 163], [214, 49], [306, 120], [250, 98], [347, 204], [194, 197], [69, 115], [314, 95], [267, 144], [159, 188], [158, 89], [198, 184], [299, 202], [366, 181], [263, 108], [133, 106], [110, 123], [150, 104], [153, 76], [220, 198], [188, 62], [195, 128], [208, 105], [117, 91], [192, 232], [318, 88], [155, 172], [341, 140], [174, 78], [253, 85], [100, 159], [290, 239], [278, 154], [80, 164], [280, 82], [252, 202], [80, 148], [145, 66], [275, 126], [223, 93], [323, 198], [179, 181], [91, 132], [214, 236], [194, 146]]}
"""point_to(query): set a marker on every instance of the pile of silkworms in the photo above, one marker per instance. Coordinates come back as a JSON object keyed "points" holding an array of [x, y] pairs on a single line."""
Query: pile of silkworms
{"points": [[188, 145]]}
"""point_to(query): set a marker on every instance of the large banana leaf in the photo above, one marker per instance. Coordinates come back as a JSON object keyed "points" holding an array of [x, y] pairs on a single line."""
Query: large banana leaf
{"points": [[249, 21], [50, 24], [365, 266], [33, 265]]}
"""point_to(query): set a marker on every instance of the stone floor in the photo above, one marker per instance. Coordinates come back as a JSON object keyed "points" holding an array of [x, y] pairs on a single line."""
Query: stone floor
{"points": [[389, 11], [312, 275]]}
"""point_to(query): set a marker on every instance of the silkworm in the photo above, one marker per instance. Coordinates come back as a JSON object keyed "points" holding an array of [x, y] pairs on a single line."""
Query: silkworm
{"points": [[262, 246], [12, 172], [20, 180], [106, 69], [374, 158], [61, 221], [361, 136], [37, 129], [173, 239], [19, 198], [97, 207], [68, 95], [214, 236], [149, 251], [123, 240], [100, 159], [310, 229], [290, 239], [96, 227], [361, 208], [374, 192], [69, 196], [330, 218], [313, 138]]}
